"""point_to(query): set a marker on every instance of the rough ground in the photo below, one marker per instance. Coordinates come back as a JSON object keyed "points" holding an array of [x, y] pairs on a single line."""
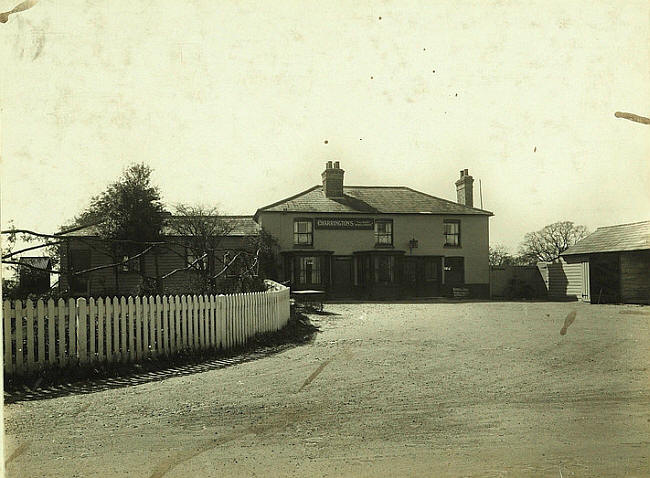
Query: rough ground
{"points": [[423, 389]]}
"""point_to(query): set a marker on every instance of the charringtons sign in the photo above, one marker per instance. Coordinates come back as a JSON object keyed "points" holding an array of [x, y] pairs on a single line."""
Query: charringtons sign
{"points": [[338, 223]]}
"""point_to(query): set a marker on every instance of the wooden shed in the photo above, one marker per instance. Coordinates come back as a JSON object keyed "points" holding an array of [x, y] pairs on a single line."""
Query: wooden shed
{"points": [[611, 265]]}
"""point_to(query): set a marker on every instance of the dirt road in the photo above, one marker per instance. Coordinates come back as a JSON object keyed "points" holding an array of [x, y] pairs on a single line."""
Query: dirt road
{"points": [[472, 389]]}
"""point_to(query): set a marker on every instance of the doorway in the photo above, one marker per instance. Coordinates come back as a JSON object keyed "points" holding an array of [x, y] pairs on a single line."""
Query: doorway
{"points": [[342, 278], [605, 278]]}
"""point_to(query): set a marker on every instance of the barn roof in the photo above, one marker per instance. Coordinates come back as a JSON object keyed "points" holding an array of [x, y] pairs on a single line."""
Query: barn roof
{"points": [[623, 237], [370, 199], [236, 226], [41, 262]]}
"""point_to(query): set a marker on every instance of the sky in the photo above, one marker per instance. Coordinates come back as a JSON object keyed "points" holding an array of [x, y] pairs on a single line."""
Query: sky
{"points": [[239, 104]]}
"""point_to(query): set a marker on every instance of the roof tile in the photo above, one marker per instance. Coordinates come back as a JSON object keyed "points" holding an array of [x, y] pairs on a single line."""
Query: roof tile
{"points": [[371, 199], [622, 237]]}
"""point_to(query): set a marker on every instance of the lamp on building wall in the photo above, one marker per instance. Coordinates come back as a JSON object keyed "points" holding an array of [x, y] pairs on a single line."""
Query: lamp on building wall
{"points": [[413, 244]]}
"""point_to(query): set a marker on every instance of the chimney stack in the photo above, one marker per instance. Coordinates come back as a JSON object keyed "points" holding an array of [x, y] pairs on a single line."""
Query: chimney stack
{"points": [[333, 180], [465, 189]]}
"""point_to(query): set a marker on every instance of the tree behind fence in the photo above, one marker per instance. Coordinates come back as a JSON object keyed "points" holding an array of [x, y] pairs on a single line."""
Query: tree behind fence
{"points": [[80, 331]]}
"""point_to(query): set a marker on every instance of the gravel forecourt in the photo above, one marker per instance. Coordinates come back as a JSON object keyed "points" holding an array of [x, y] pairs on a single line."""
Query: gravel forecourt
{"points": [[384, 389]]}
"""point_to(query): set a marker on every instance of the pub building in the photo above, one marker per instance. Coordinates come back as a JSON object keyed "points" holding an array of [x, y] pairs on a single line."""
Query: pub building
{"points": [[379, 242]]}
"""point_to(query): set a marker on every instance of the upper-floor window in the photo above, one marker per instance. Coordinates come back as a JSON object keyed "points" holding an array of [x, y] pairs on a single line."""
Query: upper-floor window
{"points": [[452, 232], [303, 232], [384, 232]]}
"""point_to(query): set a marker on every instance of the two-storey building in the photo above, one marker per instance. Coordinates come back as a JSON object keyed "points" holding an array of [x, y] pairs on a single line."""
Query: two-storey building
{"points": [[380, 242]]}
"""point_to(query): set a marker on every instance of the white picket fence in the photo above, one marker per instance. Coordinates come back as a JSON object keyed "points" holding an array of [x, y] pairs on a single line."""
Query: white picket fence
{"points": [[79, 332]]}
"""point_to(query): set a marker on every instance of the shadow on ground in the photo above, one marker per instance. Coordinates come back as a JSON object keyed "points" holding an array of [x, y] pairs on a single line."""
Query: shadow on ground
{"points": [[59, 383]]}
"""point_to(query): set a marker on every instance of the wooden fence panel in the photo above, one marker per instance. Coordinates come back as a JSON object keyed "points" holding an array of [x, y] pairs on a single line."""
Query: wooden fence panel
{"points": [[128, 329]]}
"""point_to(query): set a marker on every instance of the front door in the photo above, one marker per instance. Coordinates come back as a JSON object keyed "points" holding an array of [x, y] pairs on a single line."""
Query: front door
{"points": [[411, 276], [342, 282]]}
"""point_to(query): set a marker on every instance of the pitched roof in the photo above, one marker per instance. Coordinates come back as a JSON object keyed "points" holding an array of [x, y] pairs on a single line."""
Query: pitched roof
{"points": [[236, 226], [370, 199], [39, 262], [623, 237]]}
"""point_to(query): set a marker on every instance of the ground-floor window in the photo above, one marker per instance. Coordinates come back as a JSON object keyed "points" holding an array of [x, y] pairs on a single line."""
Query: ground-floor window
{"points": [[307, 270]]}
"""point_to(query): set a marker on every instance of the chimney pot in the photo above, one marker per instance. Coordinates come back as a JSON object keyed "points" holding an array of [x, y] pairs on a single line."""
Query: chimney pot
{"points": [[465, 189], [333, 180]]}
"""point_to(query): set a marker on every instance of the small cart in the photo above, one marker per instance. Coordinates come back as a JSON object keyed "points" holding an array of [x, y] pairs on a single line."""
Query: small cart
{"points": [[309, 298]]}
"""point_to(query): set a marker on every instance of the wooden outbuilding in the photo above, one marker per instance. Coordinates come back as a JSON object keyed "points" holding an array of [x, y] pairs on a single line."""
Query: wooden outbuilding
{"points": [[611, 265]]}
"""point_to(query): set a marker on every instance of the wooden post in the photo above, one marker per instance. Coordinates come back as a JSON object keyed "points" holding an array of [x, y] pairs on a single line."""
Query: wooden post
{"points": [[19, 336], [213, 322], [203, 321], [82, 352], [177, 323], [60, 317], [109, 329], [92, 321], [72, 330], [101, 332], [146, 348], [159, 311], [152, 325], [165, 326], [29, 318], [184, 320], [195, 322], [51, 332], [116, 330], [40, 318], [7, 313], [130, 338], [124, 346]]}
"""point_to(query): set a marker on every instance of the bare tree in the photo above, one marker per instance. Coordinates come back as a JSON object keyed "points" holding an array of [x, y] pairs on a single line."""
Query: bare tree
{"points": [[548, 243], [202, 230], [499, 256]]}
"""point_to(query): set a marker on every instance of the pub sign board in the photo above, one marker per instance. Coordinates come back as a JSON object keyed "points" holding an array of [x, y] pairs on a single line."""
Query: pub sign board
{"points": [[344, 223]]}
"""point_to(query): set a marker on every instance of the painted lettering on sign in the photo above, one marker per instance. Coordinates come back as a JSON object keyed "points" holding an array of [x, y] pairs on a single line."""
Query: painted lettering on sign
{"points": [[338, 223]]}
